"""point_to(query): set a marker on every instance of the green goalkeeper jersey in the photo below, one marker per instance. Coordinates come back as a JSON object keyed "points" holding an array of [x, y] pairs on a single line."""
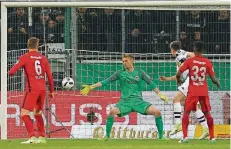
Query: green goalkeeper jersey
{"points": [[130, 83]]}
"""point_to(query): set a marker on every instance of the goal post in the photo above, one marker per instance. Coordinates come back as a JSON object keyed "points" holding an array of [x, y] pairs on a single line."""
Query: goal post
{"points": [[145, 5]]}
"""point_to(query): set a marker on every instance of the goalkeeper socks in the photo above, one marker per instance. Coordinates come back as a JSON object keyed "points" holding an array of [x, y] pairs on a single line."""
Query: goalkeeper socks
{"points": [[185, 123], [40, 125], [29, 125], [211, 126], [110, 121], [160, 127], [201, 118], [177, 112]]}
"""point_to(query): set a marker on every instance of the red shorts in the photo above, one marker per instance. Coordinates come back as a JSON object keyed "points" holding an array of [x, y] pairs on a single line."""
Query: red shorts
{"points": [[34, 99], [191, 103]]}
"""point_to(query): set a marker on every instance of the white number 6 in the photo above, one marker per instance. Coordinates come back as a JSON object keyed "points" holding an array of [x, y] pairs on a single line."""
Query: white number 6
{"points": [[38, 68]]}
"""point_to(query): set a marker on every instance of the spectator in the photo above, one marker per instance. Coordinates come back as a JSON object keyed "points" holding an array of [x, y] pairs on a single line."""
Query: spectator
{"points": [[60, 20], [52, 32], [193, 25], [138, 34], [42, 26], [93, 30], [17, 30], [82, 28], [219, 32], [111, 29], [164, 29]]}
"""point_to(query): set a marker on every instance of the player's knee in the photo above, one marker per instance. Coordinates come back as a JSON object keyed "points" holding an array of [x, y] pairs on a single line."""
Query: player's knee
{"points": [[176, 99], [113, 112], [24, 112], [37, 111], [157, 113]]}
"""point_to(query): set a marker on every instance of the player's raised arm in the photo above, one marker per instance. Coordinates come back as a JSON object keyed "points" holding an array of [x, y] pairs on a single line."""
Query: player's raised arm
{"points": [[21, 62], [88, 88], [163, 78], [212, 74], [150, 82], [50, 79]]}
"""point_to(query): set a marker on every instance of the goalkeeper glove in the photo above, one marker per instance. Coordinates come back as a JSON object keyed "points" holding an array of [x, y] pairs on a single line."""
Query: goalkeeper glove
{"points": [[86, 89], [162, 97]]}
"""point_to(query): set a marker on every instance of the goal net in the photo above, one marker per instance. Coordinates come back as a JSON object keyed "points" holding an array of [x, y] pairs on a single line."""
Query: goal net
{"points": [[86, 41]]}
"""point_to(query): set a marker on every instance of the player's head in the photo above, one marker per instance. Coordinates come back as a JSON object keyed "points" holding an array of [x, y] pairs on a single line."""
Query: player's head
{"points": [[128, 61], [174, 46], [33, 43], [198, 47]]}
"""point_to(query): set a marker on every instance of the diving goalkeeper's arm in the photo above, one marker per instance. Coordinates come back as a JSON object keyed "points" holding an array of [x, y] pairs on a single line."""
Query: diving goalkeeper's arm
{"points": [[88, 88]]}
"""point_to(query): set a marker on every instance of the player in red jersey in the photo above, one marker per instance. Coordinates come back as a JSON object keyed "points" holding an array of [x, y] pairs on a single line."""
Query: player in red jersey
{"points": [[36, 66], [199, 67]]}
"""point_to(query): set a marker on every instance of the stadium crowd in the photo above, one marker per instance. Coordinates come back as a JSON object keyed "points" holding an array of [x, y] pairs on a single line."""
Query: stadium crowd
{"points": [[103, 30]]}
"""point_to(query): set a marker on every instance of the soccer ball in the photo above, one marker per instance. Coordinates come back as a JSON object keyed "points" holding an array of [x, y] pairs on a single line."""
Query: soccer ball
{"points": [[67, 83]]}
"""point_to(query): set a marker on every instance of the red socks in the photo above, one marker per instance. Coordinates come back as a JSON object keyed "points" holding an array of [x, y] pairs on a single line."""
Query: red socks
{"points": [[29, 125], [185, 123], [210, 125], [40, 125]]}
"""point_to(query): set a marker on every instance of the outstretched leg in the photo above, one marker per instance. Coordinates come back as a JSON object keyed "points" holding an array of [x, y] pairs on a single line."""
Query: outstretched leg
{"points": [[159, 123], [177, 112], [201, 119], [110, 120]]}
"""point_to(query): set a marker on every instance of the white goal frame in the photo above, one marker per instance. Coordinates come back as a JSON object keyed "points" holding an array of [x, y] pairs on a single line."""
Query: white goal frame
{"points": [[149, 5]]}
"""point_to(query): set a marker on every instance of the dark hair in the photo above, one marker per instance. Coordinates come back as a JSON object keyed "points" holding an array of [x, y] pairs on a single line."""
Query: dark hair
{"points": [[175, 45], [198, 46], [33, 43]]}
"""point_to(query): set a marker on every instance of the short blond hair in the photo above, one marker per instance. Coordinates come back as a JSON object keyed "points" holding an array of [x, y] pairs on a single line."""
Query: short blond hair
{"points": [[128, 56], [33, 43]]}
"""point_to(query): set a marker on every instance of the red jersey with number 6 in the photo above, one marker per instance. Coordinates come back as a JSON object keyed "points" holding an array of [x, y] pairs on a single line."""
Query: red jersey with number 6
{"points": [[36, 66], [199, 67]]}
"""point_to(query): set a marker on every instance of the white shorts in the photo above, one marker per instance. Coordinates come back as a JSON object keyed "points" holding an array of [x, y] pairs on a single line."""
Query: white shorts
{"points": [[183, 88]]}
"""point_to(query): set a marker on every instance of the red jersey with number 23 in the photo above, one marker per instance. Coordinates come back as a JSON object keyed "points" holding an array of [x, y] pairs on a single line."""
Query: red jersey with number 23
{"points": [[36, 66], [199, 67]]}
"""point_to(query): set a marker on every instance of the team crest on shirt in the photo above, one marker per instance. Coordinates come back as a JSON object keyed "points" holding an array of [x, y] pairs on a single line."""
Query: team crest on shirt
{"points": [[137, 78]]}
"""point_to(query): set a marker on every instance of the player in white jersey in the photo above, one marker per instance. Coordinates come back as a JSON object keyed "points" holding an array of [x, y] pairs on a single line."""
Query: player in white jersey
{"points": [[181, 56]]}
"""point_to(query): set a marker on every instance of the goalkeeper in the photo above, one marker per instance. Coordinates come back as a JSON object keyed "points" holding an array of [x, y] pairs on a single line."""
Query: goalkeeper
{"points": [[131, 95]]}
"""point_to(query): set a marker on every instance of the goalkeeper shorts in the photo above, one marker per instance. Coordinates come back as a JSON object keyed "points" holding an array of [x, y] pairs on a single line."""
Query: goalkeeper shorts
{"points": [[139, 106]]}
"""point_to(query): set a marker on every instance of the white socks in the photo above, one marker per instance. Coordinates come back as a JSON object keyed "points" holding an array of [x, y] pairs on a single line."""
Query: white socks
{"points": [[177, 112], [201, 118]]}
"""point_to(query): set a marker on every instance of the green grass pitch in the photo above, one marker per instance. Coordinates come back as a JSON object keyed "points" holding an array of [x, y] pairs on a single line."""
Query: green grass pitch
{"points": [[115, 144]]}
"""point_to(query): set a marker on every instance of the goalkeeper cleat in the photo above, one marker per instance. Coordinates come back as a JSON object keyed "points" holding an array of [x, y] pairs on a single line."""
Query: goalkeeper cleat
{"points": [[42, 140], [163, 138], [205, 134], [213, 140], [32, 140], [177, 128], [184, 140]]}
